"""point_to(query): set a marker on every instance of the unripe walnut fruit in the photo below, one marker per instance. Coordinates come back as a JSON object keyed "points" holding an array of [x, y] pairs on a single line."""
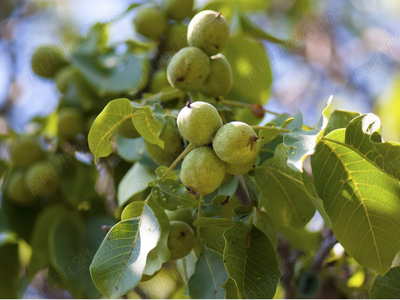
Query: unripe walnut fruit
{"points": [[70, 123], [198, 122], [172, 145], [41, 180], [240, 169], [180, 239], [18, 191], [202, 171], [236, 143], [26, 151], [219, 81], [188, 69], [158, 81], [176, 38], [151, 22], [47, 60], [209, 31], [178, 10]]}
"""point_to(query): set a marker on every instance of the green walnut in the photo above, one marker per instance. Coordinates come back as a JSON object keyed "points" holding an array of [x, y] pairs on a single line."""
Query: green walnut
{"points": [[151, 22], [41, 179], [158, 81], [63, 79], [178, 10], [198, 122], [209, 31], [70, 123], [236, 143], [240, 169], [184, 214], [18, 191], [172, 145], [47, 60], [188, 69], [176, 38], [127, 130], [180, 239], [26, 151], [202, 171], [219, 81]]}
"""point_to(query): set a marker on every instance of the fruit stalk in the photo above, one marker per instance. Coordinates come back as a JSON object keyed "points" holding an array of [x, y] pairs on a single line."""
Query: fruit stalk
{"points": [[177, 160]]}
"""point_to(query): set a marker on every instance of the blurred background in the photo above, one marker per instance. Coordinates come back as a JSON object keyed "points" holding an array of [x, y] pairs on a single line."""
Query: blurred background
{"points": [[349, 49]]}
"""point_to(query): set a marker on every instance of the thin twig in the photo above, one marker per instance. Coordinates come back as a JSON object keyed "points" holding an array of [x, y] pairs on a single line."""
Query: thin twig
{"points": [[179, 158]]}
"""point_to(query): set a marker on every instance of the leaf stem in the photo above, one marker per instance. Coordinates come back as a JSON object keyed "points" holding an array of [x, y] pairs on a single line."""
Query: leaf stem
{"points": [[171, 116], [179, 158], [271, 128], [247, 105]]}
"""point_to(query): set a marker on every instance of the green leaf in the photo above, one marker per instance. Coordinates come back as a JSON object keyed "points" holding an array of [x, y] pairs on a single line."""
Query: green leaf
{"points": [[362, 134], [133, 150], [230, 288], [172, 195], [160, 254], [105, 125], [129, 73], [284, 192], [213, 236], [250, 260], [266, 136], [67, 249], [251, 70], [340, 119], [120, 261], [133, 210], [171, 175], [219, 222], [3, 167], [77, 179], [387, 286], [264, 222], [361, 201], [10, 266], [302, 143], [253, 189], [228, 188], [186, 266], [93, 236], [208, 277], [134, 182], [41, 258], [149, 125], [251, 29]]}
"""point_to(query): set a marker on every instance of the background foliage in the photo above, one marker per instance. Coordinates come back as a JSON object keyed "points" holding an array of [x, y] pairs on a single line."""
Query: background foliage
{"points": [[329, 231]]}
